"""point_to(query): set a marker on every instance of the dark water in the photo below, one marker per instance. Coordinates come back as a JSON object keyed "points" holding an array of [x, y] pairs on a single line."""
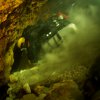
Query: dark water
{"points": [[3, 92]]}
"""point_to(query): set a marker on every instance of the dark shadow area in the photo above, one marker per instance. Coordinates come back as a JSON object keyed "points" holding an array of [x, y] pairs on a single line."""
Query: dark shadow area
{"points": [[92, 84], [3, 92]]}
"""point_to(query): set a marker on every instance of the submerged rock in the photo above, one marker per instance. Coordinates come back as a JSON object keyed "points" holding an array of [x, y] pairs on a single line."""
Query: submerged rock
{"points": [[65, 91], [29, 97], [26, 87], [33, 80]]}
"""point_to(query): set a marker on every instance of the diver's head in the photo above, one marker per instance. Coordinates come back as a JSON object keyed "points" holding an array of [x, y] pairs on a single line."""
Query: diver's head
{"points": [[21, 42]]}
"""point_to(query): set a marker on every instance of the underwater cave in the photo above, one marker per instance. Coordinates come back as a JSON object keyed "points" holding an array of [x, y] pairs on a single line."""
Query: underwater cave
{"points": [[49, 50]]}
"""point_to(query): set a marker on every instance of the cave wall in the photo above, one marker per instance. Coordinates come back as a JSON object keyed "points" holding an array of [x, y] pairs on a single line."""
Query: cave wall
{"points": [[15, 15]]}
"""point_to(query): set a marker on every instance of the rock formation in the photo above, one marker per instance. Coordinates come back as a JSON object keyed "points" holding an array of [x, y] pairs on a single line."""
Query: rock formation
{"points": [[15, 15]]}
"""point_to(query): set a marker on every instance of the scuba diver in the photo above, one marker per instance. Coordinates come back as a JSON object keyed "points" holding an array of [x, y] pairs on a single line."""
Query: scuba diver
{"points": [[34, 36]]}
